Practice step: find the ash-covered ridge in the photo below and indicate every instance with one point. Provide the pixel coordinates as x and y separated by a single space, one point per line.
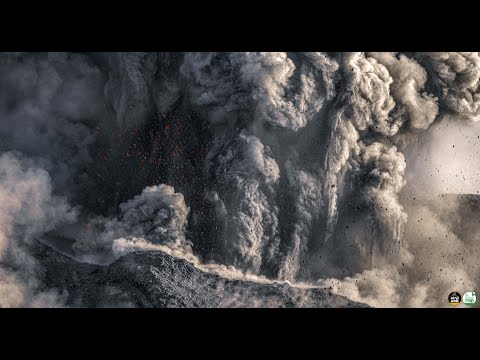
156 279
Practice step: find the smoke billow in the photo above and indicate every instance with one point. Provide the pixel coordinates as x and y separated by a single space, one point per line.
157 216
28 209
455 78
268 166
412 103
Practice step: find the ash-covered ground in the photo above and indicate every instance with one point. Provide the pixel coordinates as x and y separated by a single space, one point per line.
156 279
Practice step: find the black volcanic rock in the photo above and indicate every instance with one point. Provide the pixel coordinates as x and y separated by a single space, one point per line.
156 279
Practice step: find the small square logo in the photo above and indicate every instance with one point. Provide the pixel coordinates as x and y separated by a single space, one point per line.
469 298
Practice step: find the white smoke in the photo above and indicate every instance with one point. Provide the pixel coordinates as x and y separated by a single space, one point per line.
156 216
28 210
269 75
368 92
409 78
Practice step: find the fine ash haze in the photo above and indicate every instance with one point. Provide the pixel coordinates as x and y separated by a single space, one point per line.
312 168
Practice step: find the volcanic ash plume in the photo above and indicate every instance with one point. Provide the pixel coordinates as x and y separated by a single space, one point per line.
455 78
363 117
157 216
28 209
270 166
246 96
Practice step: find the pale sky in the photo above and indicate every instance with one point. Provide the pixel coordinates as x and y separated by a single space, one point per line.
446 160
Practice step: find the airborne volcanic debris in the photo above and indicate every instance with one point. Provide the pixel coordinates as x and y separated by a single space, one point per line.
320 169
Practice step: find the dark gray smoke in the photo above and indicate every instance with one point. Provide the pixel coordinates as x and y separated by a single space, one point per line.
287 166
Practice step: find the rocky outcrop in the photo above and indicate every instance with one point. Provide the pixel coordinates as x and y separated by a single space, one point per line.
156 279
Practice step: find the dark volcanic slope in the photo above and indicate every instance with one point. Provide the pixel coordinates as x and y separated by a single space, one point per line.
156 279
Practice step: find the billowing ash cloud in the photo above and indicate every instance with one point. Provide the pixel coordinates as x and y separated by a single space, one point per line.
247 97
249 177
268 85
157 216
413 104
50 104
364 115
287 166
28 209
308 204
455 80
384 169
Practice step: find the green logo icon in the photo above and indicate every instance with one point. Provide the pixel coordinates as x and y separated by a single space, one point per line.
469 298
